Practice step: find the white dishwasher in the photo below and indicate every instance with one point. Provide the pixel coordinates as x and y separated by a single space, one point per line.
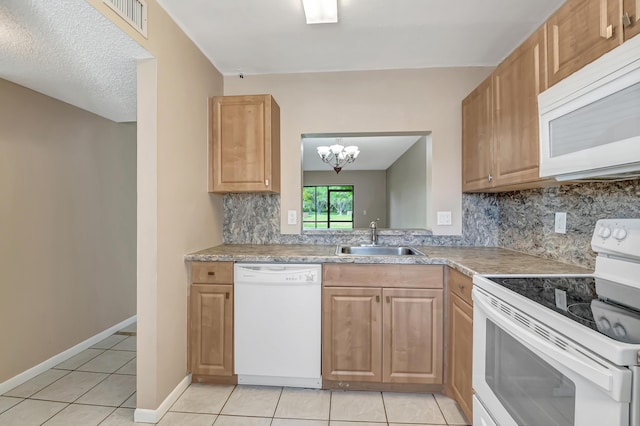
277 324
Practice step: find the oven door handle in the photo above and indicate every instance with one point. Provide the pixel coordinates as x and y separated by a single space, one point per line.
584 366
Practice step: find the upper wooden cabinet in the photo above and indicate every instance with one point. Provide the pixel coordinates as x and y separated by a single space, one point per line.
630 23
244 146
477 138
517 82
580 32
500 148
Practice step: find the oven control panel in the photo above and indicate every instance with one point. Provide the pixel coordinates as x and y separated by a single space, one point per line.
619 324
617 236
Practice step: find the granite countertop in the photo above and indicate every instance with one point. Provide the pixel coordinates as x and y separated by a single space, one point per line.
468 260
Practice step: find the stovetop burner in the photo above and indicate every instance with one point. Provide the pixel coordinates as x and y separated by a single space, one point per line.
576 299
575 304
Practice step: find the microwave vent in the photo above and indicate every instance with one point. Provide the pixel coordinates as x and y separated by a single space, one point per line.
132 11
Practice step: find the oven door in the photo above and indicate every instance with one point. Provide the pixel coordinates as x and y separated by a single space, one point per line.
526 374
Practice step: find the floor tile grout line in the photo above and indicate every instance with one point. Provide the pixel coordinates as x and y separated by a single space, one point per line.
42 388
108 415
89 360
57 412
275 409
226 401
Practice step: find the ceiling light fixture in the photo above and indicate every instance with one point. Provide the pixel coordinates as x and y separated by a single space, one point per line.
321 11
337 156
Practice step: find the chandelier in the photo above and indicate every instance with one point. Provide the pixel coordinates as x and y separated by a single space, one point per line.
337 156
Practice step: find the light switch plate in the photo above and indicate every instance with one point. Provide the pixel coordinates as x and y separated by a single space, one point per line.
444 218
292 217
561 223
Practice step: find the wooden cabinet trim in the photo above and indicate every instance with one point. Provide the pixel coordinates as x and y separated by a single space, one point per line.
382 275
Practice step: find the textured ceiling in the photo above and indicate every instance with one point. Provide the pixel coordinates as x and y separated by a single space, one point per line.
68 50
376 152
263 37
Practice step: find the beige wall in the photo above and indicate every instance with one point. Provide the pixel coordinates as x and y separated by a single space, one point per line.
177 215
406 188
368 192
67 226
418 100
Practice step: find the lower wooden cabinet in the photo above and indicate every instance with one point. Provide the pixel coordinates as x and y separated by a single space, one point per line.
211 322
211 330
352 334
382 334
412 336
460 357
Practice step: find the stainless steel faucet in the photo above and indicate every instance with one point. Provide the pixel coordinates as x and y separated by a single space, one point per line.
374 231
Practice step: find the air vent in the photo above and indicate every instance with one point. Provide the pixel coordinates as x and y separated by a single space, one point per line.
132 11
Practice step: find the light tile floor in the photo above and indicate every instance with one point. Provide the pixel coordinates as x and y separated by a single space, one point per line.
97 387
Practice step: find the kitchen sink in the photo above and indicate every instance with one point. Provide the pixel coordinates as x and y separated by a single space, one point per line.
378 251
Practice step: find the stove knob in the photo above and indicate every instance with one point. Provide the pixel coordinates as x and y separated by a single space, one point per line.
619 234
604 232
619 330
604 324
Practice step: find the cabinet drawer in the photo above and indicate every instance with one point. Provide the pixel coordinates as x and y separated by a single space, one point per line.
460 285
212 272
369 275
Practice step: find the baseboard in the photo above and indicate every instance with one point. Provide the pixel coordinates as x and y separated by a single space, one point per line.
62 356
143 415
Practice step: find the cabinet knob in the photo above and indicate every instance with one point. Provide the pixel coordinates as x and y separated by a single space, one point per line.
461 287
377 298
211 273
266 182
388 299
226 295
490 178
626 20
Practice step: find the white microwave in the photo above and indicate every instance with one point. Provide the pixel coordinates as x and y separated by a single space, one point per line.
590 121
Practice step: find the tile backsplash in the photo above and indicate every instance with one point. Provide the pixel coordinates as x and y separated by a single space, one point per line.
255 219
526 218
521 220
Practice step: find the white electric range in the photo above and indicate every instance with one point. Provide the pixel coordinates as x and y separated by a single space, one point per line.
562 349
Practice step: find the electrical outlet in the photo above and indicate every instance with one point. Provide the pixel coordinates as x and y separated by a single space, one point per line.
561 223
292 217
444 218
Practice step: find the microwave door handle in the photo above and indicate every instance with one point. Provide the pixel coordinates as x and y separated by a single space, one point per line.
590 370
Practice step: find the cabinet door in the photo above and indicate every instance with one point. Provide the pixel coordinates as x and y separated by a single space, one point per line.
517 83
351 334
211 334
477 138
631 9
245 154
412 336
460 352
580 32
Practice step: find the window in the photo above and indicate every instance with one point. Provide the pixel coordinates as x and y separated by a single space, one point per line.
327 207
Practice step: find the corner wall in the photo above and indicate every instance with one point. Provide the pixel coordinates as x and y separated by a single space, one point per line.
406 188
67 226
173 129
